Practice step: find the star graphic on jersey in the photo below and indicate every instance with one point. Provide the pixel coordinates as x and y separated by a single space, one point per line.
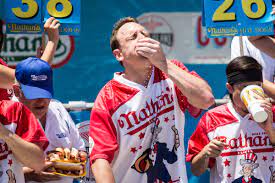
140 147
264 158
10 162
166 120
229 175
226 162
141 135
133 150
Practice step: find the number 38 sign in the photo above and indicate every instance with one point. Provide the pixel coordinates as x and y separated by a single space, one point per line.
238 17
27 16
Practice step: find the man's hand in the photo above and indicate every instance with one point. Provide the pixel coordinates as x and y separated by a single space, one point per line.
213 149
31 175
200 162
151 49
268 124
51 27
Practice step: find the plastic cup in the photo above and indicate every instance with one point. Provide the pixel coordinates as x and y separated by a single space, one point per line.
249 96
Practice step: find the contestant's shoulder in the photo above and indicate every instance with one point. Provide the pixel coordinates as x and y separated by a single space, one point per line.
218 116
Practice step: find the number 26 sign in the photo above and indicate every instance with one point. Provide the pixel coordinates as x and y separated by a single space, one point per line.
27 16
238 17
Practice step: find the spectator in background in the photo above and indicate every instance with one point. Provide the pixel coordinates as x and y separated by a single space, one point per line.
137 121
21 140
255 47
262 48
7 76
227 140
34 88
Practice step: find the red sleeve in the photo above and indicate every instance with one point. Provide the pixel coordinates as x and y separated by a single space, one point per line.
182 100
5 94
30 130
103 136
198 140
2 62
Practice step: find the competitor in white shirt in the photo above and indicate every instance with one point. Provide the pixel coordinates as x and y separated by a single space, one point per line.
137 122
228 141
35 90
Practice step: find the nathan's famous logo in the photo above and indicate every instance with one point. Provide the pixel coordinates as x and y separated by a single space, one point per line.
135 121
159 30
243 141
17 47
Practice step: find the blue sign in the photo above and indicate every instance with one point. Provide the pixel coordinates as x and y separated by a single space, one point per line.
67 12
28 16
23 16
235 18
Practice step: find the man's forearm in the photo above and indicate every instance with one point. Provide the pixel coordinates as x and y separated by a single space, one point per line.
7 77
27 153
49 51
199 164
102 171
197 91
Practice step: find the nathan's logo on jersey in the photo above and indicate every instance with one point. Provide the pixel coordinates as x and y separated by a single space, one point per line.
61 135
17 47
159 30
255 140
135 121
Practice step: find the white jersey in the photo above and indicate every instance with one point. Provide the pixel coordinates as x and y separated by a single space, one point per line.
61 131
249 156
267 62
140 130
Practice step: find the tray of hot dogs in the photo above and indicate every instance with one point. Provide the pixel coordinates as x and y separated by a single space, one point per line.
67 162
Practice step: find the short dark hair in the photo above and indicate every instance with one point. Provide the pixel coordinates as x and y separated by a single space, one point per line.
243 63
113 40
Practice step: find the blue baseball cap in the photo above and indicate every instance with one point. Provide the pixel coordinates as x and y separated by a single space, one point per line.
35 77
